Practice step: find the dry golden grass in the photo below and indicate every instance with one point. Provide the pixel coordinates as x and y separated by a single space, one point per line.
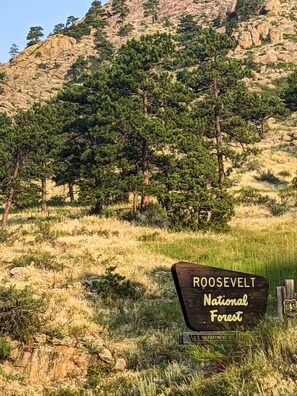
87 245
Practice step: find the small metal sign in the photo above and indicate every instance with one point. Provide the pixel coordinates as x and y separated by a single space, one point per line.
214 299
207 337
290 308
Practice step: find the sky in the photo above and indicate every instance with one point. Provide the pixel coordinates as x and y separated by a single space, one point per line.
17 16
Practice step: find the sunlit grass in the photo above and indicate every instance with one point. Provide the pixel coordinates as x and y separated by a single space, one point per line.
272 254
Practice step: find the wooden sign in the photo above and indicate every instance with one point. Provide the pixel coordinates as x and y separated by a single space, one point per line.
214 299
286 300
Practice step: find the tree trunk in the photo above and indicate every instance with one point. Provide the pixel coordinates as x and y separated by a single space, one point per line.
145 159
10 195
219 140
145 172
71 191
262 131
97 208
135 196
43 194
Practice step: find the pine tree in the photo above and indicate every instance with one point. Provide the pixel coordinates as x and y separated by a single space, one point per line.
13 51
104 48
151 8
290 92
34 35
259 107
217 79
46 120
96 15
59 28
120 8
187 28
17 143
95 148
141 87
71 21
78 68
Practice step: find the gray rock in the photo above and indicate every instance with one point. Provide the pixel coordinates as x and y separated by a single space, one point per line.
16 270
106 356
120 364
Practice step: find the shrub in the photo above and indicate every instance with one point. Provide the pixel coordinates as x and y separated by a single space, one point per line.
5 236
275 208
248 197
39 259
97 371
151 216
284 173
26 197
44 231
269 177
101 233
253 166
113 285
5 349
20 313
125 30
57 200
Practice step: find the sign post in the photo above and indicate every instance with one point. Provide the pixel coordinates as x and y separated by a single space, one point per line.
216 301
286 301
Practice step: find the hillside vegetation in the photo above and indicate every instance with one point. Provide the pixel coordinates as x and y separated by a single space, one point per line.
147 133
134 314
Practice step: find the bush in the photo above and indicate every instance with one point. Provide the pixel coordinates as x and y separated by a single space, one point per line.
44 231
205 211
20 313
113 285
27 197
154 236
5 236
284 173
269 177
57 200
39 259
275 208
248 197
151 216
5 349
125 30
97 371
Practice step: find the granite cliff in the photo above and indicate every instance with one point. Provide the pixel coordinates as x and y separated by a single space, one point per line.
269 37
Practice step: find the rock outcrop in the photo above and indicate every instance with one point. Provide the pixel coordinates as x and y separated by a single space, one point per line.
40 71
48 364
272 7
55 361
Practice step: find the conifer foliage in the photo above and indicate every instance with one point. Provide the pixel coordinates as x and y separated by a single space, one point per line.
164 120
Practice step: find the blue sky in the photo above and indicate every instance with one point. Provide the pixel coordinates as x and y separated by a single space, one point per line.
17 16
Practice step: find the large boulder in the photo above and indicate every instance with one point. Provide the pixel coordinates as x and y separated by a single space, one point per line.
245 40
47 364
55 46
272 7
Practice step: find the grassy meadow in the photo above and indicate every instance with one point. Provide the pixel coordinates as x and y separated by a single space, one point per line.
61 256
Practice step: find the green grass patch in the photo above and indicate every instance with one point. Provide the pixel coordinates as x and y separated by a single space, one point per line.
270 254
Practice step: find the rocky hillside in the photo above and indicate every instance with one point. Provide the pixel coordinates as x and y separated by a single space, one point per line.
41 69
269 38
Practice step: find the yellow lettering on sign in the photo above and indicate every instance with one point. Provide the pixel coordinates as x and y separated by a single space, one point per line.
225 302
227 282
215 316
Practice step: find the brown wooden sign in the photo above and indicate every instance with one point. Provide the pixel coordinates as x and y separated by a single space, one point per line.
214 299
